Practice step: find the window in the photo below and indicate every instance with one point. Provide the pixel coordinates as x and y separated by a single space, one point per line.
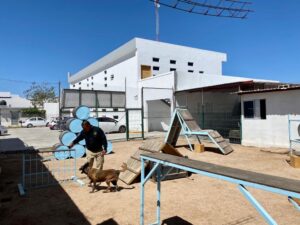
112 77
103 110
79 88
263 111
191 71
32 119
249 109
115 109
172 69
92 88
92 83
105 85
105 72
145 71
156 68
87 85
255 109
79 83
116 117
92 78
201 71
73 85
190 63
155 59
3 102
87 79
40 118
172 61
105 78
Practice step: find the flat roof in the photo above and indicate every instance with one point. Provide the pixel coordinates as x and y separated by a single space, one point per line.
279 88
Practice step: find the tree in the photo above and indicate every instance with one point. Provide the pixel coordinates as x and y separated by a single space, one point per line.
38 94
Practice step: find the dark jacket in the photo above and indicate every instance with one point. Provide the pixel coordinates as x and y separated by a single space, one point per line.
95 139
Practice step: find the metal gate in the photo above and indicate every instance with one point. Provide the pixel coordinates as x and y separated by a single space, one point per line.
42 169
134 123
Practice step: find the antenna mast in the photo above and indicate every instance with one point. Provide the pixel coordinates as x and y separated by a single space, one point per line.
156 5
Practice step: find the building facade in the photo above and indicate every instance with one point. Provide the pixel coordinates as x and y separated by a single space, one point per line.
10 108
161 76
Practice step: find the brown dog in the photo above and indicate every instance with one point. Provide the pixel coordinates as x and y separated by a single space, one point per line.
96 175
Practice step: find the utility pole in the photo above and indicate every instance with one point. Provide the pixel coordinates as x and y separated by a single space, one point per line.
59 104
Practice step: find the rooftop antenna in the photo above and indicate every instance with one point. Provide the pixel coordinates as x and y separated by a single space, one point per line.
238 9
156 5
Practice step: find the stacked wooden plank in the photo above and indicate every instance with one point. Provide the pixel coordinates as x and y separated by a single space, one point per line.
134 163
223 144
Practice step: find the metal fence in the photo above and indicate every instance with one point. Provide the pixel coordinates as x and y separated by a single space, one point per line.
294 132
134 123
43 169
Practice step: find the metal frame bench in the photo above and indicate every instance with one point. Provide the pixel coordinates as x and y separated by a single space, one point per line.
243 178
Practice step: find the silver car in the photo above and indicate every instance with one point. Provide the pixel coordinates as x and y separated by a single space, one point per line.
3 130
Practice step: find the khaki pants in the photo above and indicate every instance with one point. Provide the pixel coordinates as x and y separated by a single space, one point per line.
92 156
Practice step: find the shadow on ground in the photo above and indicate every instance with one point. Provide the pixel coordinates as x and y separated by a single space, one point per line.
42 206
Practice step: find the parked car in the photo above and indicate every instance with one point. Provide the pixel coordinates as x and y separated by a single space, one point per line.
109 125
34 122
59 124
3 130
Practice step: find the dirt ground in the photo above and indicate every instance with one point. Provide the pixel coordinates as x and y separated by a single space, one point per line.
195 200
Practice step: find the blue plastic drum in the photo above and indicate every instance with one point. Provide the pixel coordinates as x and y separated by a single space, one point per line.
60 154
74 125
109 147
93 121
79 151
67 137
81 112
82 142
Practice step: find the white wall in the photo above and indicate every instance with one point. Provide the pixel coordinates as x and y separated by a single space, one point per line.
273 131
158 116
209 62
15 101
157 88
52 110
126 69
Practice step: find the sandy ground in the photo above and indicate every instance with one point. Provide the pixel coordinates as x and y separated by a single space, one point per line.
194 200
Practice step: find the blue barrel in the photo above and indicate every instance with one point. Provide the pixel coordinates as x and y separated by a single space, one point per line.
81 112
67 137
79 151
109 147
61 155
93 121
82 142
74 125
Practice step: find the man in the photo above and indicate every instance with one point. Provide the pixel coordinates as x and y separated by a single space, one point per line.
96 144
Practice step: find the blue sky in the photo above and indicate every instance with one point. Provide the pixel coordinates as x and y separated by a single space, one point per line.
43 40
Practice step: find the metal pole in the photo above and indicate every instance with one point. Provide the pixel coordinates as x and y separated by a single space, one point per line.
158 172
142 194
142 98
256 205
59 101
127 123
289 127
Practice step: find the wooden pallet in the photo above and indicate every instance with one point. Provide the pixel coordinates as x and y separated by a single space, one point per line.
223 145
134 163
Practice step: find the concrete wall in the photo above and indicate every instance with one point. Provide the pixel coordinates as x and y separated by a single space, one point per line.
113 79
209 62
157 88
52 110
15 101
158 116
273 131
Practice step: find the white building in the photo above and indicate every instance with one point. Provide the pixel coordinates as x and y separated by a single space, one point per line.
265 116
10 108
160 76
